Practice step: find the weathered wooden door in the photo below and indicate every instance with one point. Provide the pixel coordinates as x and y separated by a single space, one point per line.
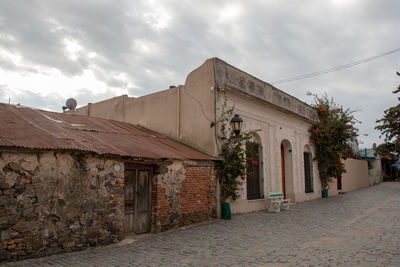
137 198
129 200
283 171
142 221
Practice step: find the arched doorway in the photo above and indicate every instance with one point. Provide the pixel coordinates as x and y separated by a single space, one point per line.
283 170
286 167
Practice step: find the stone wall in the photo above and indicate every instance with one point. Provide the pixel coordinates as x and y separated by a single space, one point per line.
53 202
183 194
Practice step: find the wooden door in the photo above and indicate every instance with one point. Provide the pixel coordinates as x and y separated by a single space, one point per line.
129 200
283 171
142 221
339 183
137 198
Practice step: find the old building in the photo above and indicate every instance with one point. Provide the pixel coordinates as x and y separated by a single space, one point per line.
374 165
68 182
189 112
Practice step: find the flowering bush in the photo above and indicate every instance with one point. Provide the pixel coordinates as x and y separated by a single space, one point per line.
334 128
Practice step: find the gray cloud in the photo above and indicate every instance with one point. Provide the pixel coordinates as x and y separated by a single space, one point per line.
269 39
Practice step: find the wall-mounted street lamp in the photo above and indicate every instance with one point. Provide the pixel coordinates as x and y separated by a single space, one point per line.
236 123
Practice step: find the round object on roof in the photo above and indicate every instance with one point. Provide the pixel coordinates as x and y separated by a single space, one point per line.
71 103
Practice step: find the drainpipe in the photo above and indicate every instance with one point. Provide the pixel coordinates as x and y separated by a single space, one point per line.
88 109
178 108
215 89
218 186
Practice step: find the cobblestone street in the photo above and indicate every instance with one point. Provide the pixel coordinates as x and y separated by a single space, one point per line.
360 228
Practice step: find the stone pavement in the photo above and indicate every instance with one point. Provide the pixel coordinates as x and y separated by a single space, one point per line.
360 228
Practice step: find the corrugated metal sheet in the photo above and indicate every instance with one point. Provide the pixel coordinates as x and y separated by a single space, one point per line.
38 129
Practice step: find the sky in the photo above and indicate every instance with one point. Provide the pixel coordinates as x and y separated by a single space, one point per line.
51 50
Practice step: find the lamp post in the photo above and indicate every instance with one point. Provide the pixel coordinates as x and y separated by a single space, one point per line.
236 124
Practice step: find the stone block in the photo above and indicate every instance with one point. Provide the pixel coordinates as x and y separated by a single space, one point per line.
5 234
14 234
75 226
14 217
93 205
20 246
73 213
3 255
9 192
15 166
4 185
4 201
11 157
36 243
21 253
93 233
53 250
20 187
29 162
21 226
68 244
27 212
47 163
66 162
2 162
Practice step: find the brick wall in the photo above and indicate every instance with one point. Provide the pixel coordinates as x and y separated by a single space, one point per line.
183 194
198 195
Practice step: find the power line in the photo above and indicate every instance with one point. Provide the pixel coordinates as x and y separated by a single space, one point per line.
337 68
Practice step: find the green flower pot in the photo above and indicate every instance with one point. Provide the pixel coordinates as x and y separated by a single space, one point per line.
325 193
226 213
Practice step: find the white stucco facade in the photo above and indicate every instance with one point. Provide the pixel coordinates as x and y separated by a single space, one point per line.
276 128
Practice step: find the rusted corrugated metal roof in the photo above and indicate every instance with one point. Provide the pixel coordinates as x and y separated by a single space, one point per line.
38 129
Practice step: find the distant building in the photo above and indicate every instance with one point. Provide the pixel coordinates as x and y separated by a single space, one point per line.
375 165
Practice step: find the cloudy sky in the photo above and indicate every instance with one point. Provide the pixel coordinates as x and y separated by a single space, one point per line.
51 50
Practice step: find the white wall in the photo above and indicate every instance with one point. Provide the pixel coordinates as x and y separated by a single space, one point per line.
375 173
276 126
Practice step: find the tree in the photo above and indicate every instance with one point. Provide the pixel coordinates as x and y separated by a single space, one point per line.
330 135
389 126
